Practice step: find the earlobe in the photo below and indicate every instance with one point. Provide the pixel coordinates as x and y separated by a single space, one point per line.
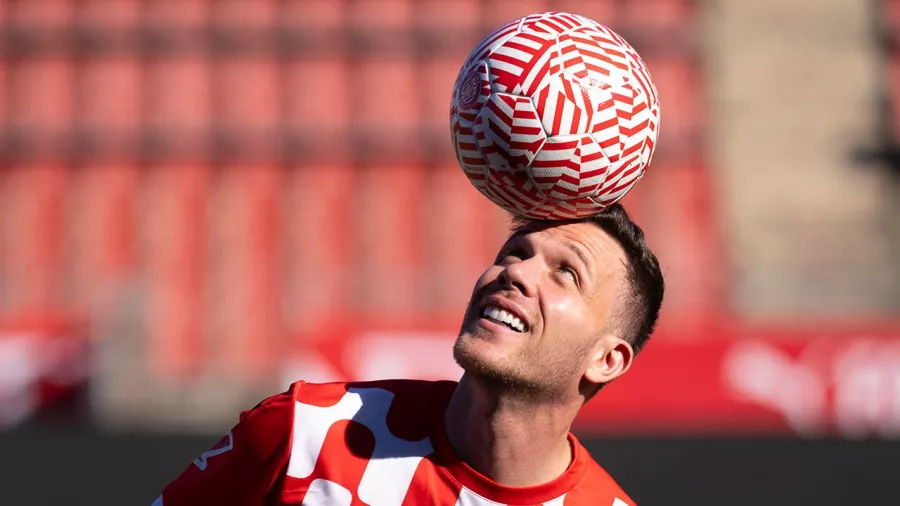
612 359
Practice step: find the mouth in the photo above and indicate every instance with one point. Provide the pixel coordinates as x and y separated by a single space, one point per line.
504 317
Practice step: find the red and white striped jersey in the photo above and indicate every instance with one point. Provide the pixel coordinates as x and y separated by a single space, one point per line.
367 443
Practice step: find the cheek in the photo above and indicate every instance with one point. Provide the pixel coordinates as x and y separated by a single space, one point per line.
566 311
561 306
487 277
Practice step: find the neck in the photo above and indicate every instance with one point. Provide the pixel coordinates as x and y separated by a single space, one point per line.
513 440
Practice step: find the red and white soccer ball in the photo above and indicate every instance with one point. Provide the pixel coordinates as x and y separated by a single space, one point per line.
554 116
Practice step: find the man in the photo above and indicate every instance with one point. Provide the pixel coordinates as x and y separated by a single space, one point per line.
561 312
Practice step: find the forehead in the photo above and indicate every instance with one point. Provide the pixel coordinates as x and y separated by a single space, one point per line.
599 248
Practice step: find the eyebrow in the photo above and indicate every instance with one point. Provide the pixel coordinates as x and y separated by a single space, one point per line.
579 252
571 246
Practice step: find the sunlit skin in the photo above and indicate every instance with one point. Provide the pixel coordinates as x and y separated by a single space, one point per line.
510 415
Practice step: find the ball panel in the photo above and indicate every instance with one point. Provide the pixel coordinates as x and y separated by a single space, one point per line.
622 123
466 101
620 180
565 107
647 151
583 53
627 66
609 198
601 52
569 168
513 190
548 24
470 158
605 127
522 63
642 75
488 45
568 210
509 132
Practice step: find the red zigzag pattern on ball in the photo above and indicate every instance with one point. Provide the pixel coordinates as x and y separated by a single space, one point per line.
470 160
487 46
570 168
515 124
525 60
587 82
508 188
523 63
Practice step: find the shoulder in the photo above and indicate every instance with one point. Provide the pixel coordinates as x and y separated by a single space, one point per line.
261 430
597 475
304 391
400 402
243 465
272 422
387 392
597 486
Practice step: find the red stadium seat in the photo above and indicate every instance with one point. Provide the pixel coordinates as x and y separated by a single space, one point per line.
332 195
318 235
175 223
389 227
245 259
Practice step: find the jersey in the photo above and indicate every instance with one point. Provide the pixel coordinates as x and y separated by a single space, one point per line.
377 443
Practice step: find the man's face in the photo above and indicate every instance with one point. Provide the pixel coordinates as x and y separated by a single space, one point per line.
536 315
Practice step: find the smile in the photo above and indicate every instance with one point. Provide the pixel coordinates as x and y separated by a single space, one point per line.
501 316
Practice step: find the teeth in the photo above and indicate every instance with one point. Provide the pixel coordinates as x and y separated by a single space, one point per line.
500 315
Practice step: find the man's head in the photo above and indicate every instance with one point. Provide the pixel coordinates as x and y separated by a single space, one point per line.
564 308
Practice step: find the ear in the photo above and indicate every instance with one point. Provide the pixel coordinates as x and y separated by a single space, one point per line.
611 358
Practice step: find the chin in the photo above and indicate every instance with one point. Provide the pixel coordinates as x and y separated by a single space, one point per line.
495 369
479 356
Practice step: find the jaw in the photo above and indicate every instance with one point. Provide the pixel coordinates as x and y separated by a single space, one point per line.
481 349
500 362
515 370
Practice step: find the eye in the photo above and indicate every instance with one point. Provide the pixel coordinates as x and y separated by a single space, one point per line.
565 270
510 253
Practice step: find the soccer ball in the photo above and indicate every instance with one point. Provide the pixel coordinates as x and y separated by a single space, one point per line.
554 116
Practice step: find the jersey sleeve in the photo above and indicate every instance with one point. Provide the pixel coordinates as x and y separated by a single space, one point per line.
243 466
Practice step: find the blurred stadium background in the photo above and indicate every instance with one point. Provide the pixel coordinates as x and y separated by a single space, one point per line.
204 200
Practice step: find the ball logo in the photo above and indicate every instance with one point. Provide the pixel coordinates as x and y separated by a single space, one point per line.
469 90
592 82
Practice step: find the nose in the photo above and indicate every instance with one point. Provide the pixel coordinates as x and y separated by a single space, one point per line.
519 276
